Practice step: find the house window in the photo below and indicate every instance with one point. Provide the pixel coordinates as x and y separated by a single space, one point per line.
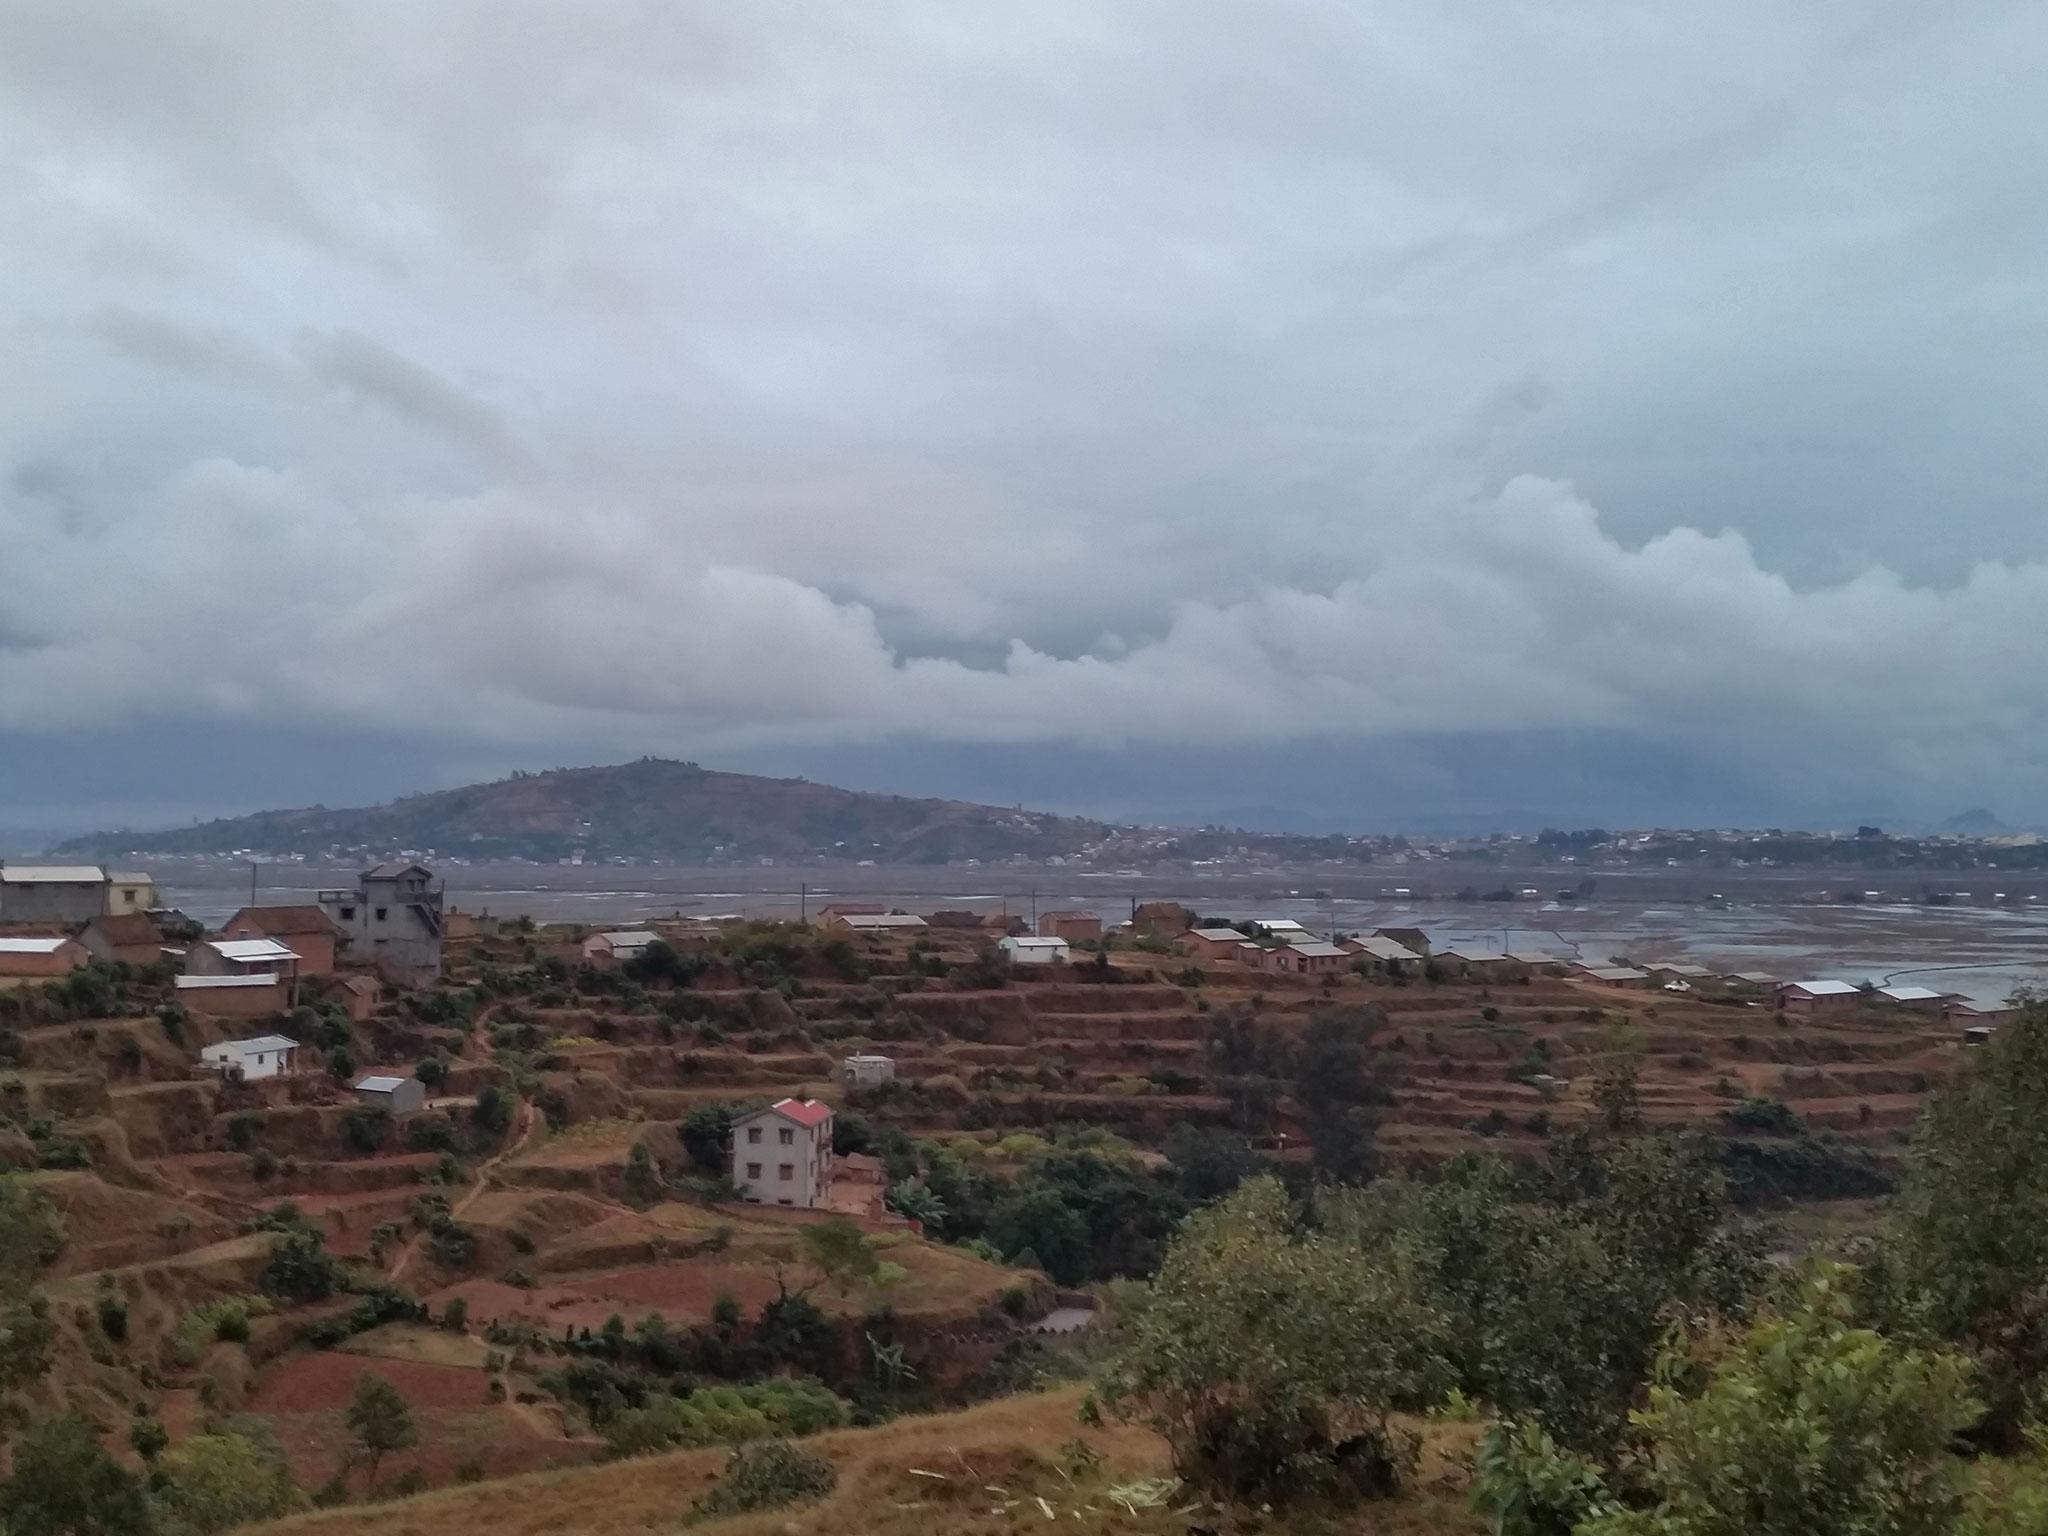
382 913
787 1138
753 1170
754 1136
786 1172
348 914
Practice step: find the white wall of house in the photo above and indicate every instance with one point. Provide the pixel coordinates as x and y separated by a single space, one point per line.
775 1161
255 1065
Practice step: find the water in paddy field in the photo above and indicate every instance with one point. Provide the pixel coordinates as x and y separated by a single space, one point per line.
1776 924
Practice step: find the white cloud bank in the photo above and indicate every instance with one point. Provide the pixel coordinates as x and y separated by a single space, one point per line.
636 377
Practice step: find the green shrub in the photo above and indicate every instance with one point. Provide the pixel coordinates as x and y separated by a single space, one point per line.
766 1476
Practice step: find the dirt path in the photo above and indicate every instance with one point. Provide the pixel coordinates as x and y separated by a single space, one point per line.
480 1183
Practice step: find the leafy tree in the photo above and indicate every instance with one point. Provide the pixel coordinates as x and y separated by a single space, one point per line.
31 1237
842 1253
365 1129
1208 1162
1617 1093
1035 1220
380 1421
643 1180
213 1481
63 1484
920 1202
1806 1424
765 1476
1965 1254
1340 1088
432 1072
1271 1361
705 1132
300 1268
147 1437
493 1111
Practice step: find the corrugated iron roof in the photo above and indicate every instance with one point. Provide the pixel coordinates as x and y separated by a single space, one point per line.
245 951
52 874
32 946
379 1084
209 983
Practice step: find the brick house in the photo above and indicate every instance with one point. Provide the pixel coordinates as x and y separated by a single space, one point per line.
782 1155
130 938
1812 998
233 997
307 932
1211 943
45 956
1074 927
1308 957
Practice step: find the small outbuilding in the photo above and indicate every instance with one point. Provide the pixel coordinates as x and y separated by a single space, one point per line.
1627 976
254 1059
1307 957
401 1096
1029 949
618 946
1074 927
866 1071
241 957
1813 998
41 956
131 938
1211 943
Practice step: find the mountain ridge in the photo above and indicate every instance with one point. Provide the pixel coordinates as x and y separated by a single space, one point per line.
649 808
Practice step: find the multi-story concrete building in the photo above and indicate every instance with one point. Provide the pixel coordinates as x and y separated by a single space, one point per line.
392 920
782 1155
52 893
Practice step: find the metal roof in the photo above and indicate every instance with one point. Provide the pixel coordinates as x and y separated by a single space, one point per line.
379 1084
1032 941
1616 973
246 950
259 1043
629 938
1218 935
1911 994
1822 988
208 983
32 946
52 874
1469 956
806 1112
1316 947
1678 969
1384 949
881 920
1279 925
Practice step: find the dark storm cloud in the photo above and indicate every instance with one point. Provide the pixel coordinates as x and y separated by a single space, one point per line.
630 377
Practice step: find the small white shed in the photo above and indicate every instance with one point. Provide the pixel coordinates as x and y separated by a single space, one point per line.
864 1071
253 1059
1030 950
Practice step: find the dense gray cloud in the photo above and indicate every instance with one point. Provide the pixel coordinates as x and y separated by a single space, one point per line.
632 377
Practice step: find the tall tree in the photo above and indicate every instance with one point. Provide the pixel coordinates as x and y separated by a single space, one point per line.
380 1421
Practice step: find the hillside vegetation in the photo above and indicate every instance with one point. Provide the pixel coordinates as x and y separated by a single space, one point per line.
653 808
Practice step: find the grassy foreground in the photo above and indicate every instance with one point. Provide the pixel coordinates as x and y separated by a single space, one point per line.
1009 1465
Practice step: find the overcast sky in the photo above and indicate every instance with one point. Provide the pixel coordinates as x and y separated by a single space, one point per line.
1359 411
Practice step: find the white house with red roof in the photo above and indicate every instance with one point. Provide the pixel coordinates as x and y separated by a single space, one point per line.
782 1155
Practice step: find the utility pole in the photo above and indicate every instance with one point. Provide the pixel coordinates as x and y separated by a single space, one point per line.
803 903
252 882
1034 910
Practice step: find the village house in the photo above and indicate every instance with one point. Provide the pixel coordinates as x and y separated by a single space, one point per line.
52 893
358 992
605 950
1814 998
1211 943
1161 919
391 920
1074 927
254 1059
1408 938
1307 957
782 1155
1915 999
1480 964
396 1096
880 922
827 915
233 997
1540 962
308 932
1031 950
1386 954
1961 1010
864 1071
1285 929
41 956
1624 976
241 957
1749 983
954 917
132 938
1666 972
130 893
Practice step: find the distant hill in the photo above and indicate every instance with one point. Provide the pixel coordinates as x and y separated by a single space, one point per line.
653 808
